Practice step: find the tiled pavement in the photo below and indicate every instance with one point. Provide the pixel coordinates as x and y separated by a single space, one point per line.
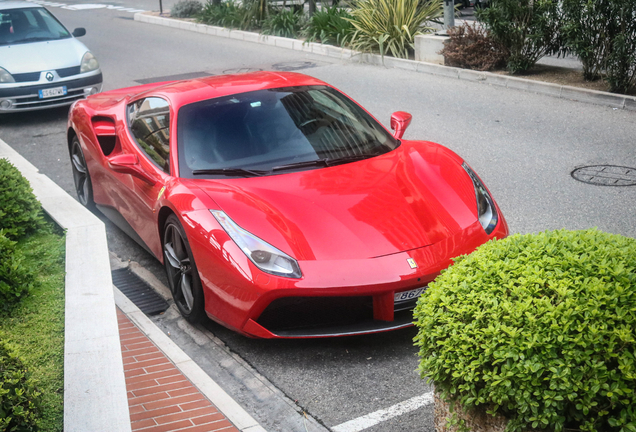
160 397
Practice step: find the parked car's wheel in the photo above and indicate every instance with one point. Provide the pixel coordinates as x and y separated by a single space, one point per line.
81 177
181 270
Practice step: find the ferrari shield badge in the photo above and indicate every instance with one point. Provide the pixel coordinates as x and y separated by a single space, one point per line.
411 262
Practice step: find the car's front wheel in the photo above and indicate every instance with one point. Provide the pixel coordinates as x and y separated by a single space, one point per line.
81 177
181 270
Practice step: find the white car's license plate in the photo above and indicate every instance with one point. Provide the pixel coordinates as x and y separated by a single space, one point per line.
408 295
52 92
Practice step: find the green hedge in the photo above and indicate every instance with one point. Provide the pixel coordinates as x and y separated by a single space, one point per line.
540 328
19 398
20 211
16 280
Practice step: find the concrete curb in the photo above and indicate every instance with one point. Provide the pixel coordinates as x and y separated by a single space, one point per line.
94 384
232 410
548 89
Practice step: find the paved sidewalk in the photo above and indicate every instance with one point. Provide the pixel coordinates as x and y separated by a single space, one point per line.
160 397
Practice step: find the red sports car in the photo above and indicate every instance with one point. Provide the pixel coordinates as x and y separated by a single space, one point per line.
279 207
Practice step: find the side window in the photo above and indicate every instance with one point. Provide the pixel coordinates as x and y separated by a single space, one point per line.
149 122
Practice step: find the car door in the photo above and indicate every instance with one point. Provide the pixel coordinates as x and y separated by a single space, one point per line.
143 167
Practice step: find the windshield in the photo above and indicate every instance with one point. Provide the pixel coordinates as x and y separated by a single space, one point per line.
274 131
18 26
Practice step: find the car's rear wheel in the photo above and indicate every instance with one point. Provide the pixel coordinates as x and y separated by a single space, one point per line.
81 177
181 270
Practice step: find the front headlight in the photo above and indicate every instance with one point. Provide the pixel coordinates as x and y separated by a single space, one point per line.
485 205
5 77
89 63
264 256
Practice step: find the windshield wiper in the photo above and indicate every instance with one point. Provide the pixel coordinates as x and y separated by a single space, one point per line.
230 172
325 162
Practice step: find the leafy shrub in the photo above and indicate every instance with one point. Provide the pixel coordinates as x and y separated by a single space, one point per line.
255 12
540 328
15 279
529 29
330 25
20 211
19 398
471 47
186 8
585 33
226 14
621 61
390 26
284 23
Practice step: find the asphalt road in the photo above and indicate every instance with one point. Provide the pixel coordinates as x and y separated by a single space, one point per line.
523 145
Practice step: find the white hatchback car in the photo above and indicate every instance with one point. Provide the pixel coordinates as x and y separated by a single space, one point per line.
42 65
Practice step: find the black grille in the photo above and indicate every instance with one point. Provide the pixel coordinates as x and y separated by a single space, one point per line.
138 292
69 71
27 77
291 313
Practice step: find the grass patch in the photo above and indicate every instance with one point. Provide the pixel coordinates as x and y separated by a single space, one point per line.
35 326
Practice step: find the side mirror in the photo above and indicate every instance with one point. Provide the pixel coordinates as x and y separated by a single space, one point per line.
129 164
400 120
79 32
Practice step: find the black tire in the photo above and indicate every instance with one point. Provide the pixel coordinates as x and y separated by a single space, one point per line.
81 176
183 277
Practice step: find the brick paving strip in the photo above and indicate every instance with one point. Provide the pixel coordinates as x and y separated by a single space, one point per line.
160 397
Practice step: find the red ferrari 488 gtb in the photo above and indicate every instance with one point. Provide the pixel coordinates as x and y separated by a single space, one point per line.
279 207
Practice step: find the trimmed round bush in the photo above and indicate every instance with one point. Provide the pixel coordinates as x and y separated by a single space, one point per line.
19 398
20 211
540 328
16 280
186 9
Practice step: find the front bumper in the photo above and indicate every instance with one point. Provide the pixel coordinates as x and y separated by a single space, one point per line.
334 298
19 97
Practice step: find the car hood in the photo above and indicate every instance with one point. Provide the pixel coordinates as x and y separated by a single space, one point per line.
42 56
412 197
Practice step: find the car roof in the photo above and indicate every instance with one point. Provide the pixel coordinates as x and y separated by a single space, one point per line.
185 92
6 5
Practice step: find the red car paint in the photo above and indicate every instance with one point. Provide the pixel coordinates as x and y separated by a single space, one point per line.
350 227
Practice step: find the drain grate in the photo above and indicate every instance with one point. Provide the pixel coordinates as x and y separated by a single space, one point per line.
184 76
139 292
293 65
241 70
605 175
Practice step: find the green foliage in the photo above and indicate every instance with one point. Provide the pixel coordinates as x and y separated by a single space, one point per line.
16 279
186 8
20 211
284 23
226 14
19 398
255 12
529 29
585 33
540 328
34 327
621 61
390 26
471 47
330 25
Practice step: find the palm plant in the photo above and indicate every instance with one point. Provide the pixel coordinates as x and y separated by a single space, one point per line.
390 26
285 23
330 25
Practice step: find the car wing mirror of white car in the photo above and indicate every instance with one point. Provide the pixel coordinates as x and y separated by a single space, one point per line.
79 32
400 120
129 164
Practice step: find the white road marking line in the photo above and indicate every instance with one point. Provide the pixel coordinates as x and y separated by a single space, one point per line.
364 422
86 6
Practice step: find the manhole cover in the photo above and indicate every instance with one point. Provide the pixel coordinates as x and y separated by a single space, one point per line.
292 66
241 70
606 175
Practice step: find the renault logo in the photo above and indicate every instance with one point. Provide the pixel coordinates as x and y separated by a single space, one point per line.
49 76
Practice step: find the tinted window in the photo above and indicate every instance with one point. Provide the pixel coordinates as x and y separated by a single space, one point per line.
149 122
268 128
26 25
